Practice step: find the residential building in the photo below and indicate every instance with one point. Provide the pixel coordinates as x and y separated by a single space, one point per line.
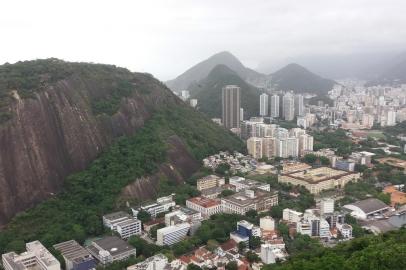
231 106
326 206
275 106
205 206
345 230
172 234
319 179
110 249
36 257
193 102
254 146
209 181
299 105
76 257
156 262
305 144
267 223
287 147
288 107
111 220
291 215
263 104
242 202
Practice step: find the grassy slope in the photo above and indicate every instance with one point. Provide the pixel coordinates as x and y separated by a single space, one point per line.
76 213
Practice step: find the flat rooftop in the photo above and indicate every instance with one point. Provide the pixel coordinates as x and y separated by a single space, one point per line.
72 251
393 161
112 244
318 174
116 215
204 202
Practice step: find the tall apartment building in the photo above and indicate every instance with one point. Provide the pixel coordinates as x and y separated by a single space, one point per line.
288 147
172 234
36 257
299 105
263 104
288 107
254 146
231 106
275 106
305 144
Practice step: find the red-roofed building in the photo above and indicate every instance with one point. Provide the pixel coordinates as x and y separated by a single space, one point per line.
205 206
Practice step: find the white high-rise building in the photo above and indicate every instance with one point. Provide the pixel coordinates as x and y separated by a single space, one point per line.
263 104
391 118
242 114
288 106
287 147
305 143
326 206
275 106
299 105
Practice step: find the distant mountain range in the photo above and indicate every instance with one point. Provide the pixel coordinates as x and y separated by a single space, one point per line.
202 70
208 92
206 79
300 80
392 75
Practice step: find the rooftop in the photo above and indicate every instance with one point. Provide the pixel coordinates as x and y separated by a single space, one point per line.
370 205
204 202
116 215
72 251
318 174
112 244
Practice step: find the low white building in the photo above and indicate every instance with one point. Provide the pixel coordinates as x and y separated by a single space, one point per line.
123 224
172 234
345 230
291 215
36 257
267 223
156 262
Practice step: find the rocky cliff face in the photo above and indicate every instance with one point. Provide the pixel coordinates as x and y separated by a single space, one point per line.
56 132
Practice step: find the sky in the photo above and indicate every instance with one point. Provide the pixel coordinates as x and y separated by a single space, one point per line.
165 38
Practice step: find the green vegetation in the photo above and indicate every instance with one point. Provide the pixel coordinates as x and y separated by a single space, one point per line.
312 159
336 139
76 212
30 77
382 252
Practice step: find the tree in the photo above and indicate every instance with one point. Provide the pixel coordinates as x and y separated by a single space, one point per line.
192 266
255 242
144 216
242 246
232 265
276 211
252 257
283 229
324 161
384 197
212 244
227 192
310 158
251 213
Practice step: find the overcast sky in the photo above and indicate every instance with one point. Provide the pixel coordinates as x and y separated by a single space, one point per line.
167 37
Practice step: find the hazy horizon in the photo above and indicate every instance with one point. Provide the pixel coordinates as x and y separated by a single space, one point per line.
166 38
